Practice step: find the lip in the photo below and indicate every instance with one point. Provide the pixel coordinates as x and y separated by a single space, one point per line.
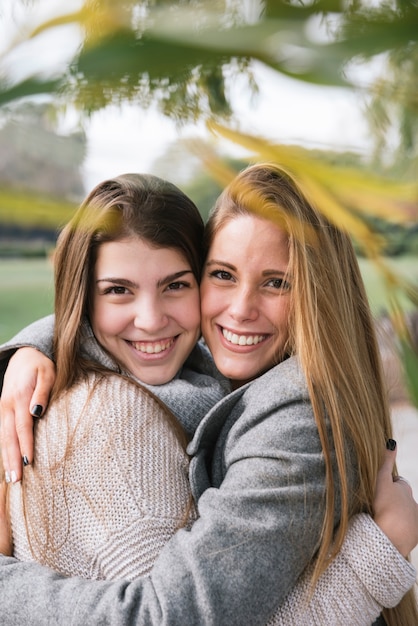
234 340
157 349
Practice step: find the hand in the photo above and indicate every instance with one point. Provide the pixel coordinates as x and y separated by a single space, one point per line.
27 384
395 510
6 545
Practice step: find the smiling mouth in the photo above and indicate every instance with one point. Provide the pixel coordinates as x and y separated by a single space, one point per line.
153 347
242 340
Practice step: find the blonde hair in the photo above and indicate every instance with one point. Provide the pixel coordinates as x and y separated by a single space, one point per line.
332 331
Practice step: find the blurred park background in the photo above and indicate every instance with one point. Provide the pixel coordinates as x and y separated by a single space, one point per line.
193 90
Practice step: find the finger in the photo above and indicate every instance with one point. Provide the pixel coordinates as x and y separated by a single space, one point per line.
24 435
6 546
12 460
23 424
389 460
4 454
25 414
384 480
2 498
44 382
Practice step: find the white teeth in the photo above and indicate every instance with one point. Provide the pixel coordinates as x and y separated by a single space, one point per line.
242 340
152 348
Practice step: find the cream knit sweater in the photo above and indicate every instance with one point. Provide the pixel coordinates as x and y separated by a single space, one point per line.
110 503
105 507
366 576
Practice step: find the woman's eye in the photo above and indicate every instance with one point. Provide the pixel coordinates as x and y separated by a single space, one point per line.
177 285
221 274
279 283
116 290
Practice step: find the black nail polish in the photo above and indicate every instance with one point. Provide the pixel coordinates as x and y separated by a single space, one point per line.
36 410
391 444
25 460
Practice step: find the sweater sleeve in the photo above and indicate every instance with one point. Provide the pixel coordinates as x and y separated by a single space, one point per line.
37 335
367 575
367 551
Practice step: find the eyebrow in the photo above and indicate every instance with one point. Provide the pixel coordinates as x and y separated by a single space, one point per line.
224 263
129 283
173 277
267 272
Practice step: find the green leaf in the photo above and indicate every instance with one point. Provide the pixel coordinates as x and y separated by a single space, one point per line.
29 87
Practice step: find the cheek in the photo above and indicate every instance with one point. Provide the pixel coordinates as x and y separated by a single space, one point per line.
187 312
104 320
282 323
208 303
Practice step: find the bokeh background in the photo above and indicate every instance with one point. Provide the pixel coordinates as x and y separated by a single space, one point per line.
193 90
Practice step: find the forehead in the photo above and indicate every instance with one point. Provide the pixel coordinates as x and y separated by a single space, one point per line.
249 237
136 250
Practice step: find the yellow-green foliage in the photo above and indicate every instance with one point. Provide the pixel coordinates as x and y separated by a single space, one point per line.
26 209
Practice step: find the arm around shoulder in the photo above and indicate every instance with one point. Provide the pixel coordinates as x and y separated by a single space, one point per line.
37 335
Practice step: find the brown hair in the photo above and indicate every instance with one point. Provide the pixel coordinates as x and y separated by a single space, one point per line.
332 331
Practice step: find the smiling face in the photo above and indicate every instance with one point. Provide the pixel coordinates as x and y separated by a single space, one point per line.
245 298
145 308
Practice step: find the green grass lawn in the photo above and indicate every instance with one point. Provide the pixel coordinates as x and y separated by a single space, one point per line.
26 290
26 293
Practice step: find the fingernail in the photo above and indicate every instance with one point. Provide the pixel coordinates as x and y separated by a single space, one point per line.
25 460
36 410
13 476
391 444
7 476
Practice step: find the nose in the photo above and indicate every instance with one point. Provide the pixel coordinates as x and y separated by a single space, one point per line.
244 306
150 315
